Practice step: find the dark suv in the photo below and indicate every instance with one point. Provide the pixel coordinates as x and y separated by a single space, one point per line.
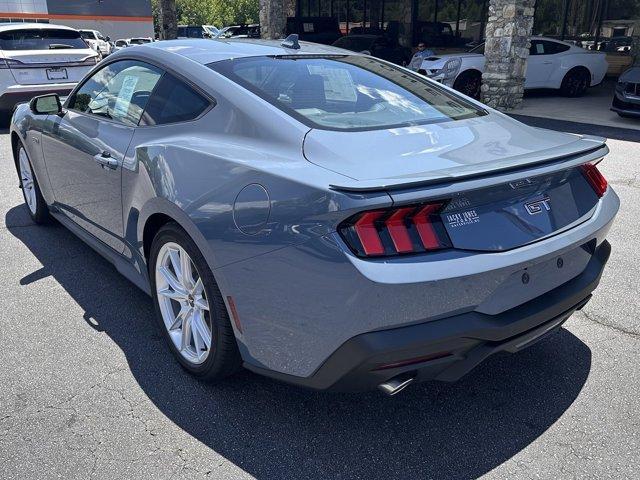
379 46
315 29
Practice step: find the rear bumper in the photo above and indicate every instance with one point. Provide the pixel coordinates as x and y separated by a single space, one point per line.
448 348
23 93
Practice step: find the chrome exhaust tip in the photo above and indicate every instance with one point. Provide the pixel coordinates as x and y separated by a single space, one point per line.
397 384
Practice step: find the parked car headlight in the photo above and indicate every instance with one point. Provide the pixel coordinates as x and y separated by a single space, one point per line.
450 70
448 73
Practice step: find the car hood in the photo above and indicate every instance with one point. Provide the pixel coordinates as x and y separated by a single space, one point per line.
631 75
438 152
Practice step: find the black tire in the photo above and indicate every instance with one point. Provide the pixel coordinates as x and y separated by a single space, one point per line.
224 358
469 83
39 213
575 83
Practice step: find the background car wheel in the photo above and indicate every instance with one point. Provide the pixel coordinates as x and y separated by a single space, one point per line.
469 83
189 307
36 205
575 83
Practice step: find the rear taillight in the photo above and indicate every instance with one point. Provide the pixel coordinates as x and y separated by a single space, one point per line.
6 63
92 60
396 231
595 178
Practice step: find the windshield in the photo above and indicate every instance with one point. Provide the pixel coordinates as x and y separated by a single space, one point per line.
87 34
355 44
235 31
190 32
478 49
139 41
348 92
40 39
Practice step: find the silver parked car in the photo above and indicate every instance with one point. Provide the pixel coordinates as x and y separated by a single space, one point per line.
626 98
322 217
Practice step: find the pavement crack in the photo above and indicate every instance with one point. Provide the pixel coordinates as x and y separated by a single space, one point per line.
594 319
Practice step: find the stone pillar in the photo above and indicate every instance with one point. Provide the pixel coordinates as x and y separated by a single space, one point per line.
273 17
506 51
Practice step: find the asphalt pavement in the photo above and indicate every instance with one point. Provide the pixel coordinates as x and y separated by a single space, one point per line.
89 390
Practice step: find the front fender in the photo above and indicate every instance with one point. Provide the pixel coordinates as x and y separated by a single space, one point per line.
27 128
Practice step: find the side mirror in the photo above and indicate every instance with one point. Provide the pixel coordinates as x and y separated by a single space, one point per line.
46 104
108 38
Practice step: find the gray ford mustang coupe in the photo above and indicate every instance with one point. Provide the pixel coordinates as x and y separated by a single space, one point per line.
322 217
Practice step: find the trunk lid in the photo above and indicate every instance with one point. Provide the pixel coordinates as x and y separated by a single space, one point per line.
473 167
517 213
39 67
438 152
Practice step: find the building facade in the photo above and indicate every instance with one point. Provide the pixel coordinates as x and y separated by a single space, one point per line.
586 22
447 26
115 18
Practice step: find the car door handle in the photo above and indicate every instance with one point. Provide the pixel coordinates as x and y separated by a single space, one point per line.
548 63
105 160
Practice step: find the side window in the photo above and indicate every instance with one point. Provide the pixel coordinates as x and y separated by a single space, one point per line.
537 48
551 48
120 91
173 101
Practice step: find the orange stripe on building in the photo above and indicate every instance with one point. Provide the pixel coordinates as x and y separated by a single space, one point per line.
53 16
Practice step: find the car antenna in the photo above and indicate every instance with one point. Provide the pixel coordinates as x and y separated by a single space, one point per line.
291 42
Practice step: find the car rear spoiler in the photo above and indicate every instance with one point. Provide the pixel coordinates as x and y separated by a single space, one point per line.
592 149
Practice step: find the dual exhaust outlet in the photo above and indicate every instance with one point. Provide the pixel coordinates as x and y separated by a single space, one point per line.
397 384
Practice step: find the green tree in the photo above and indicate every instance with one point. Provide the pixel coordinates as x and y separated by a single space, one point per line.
211 12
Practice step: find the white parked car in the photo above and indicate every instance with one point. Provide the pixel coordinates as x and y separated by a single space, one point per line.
551 64
129 42
97 41
120 44
139 40
38 58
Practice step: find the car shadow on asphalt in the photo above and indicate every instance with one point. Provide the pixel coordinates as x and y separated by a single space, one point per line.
272 430
616 133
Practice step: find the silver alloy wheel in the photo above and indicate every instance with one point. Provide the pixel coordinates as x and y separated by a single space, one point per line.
183 303
26 179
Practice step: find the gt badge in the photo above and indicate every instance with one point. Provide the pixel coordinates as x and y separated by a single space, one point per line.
538 206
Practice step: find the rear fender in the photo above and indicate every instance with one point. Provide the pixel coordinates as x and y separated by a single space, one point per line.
214 199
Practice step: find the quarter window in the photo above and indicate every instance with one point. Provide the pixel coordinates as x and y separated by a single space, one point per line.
173 101
120 91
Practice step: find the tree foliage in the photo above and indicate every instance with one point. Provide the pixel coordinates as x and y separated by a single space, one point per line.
213 12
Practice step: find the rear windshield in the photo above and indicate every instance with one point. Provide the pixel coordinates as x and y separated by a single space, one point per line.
40 39
139 41
350 92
